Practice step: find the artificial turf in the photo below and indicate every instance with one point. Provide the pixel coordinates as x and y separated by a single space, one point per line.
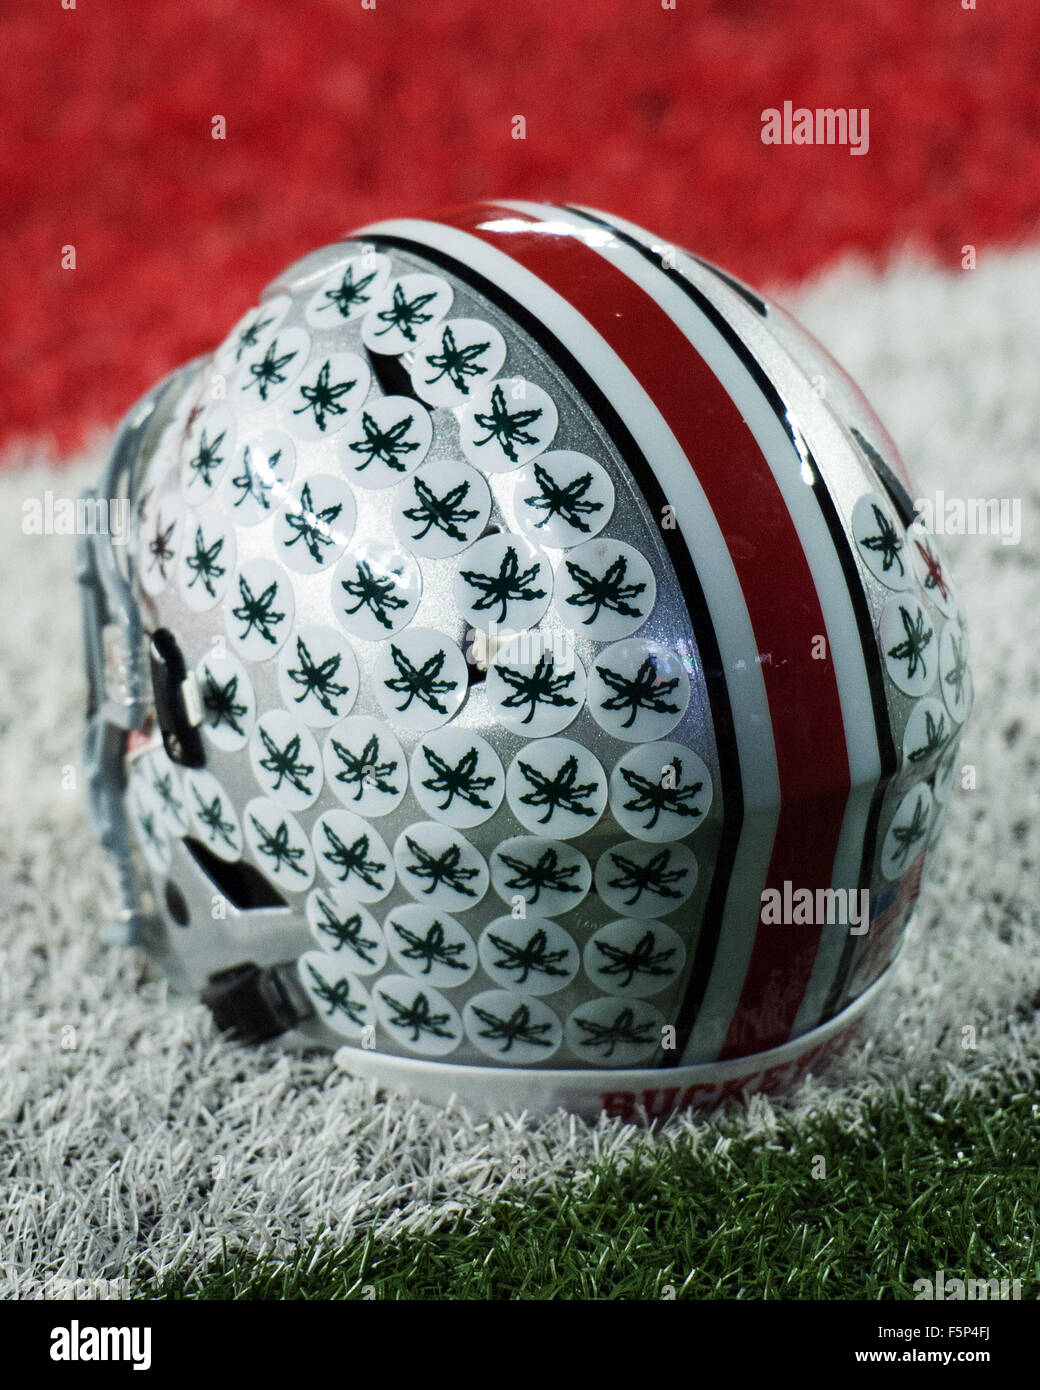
915 1184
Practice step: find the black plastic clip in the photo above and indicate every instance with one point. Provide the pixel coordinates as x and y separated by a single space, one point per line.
178 724
254 1004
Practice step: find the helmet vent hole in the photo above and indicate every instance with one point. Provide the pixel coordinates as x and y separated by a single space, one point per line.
243 885
391 374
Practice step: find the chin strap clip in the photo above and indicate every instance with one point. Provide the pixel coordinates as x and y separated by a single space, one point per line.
253 1004
178 710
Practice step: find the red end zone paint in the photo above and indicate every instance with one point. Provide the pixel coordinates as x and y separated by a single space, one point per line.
774 575
347 115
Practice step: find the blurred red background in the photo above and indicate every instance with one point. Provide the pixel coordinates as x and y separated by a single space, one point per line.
336 114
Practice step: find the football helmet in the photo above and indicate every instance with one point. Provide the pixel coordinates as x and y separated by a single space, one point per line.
526 671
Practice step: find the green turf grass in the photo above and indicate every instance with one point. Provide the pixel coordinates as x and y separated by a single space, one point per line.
907 1191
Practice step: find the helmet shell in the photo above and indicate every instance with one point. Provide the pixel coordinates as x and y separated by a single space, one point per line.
579 690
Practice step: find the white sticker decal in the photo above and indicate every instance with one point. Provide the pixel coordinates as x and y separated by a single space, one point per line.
938 821
556 788
349 290
548 875
407 309
430 945
941 783
506 424
285 760
186 411
881 542
417 1016
147 822
259 611
615 1032
513 1029
440 867
634 958
943 780
318 675
365 766
604 589
457 777
954 676
531 955
315 524
168 792
455 360
375 590
270 368
930 569
207 560
909 643
385 441
562 499
638 690
660 791
279 845
504 584
907 834
213 814
258 481
340 1000
536 684
162 537
353 856
252 332
207 453
345 928
165 459
927 733
642 879
228 701
441 509
328 393
420 679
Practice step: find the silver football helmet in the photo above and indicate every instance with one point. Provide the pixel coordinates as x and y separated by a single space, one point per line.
526 674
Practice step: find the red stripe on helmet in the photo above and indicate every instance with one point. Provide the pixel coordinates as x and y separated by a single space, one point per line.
767 555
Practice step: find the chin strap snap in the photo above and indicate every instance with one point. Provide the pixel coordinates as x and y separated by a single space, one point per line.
253 1004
